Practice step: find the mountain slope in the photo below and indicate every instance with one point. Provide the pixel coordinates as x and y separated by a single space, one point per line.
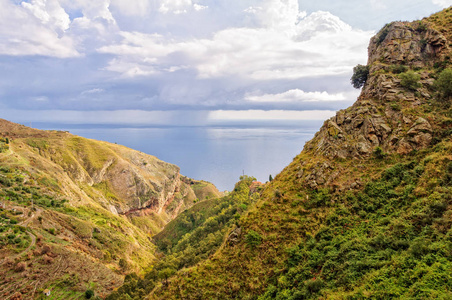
77 213
192 237
364 210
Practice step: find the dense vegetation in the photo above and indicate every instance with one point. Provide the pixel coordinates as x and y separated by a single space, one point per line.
19 187
12 236
192 237
390 240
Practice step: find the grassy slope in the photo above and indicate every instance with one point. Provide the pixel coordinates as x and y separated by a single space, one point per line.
388 237
75 236
66 179
192 237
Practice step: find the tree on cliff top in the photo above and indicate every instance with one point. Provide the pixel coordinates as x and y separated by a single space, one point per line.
360 74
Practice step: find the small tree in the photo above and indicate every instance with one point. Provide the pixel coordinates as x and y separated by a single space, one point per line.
410 80
123 264
166 273
253 238
89 294
359 77
270 178
444 83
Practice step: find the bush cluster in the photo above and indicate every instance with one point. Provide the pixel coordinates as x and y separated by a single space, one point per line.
444 84
410 80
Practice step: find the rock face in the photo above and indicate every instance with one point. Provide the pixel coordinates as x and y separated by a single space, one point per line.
384 118
414 44
234 236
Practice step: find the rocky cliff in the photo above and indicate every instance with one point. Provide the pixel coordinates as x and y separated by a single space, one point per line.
388 116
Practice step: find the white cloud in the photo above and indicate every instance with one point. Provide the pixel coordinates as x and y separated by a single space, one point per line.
41 99
198 7
93 10
179 54
135 7
280 14
50 13
318 45
295 95
31 31
92 91
321 22
175 6
442 3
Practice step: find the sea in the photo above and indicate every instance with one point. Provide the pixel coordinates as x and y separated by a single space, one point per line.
218 154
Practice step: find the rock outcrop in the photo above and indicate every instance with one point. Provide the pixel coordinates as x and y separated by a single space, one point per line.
384 117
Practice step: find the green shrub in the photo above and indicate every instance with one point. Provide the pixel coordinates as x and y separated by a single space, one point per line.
444 83
123 264
359 77
314 285
253 239
379 153
421 27
5 181
395 106
89 294
319 198
410 80
397 69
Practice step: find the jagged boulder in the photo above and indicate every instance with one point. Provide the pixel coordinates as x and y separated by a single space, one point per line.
234 236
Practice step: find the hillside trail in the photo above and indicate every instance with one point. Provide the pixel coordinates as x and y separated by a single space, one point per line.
31 235
10 153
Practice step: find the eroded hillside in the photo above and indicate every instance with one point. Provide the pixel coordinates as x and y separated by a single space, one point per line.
77 213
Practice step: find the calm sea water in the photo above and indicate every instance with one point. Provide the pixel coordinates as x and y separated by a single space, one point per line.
216 154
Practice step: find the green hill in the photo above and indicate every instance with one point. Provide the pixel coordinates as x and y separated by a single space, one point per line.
364 211
194 236
78 214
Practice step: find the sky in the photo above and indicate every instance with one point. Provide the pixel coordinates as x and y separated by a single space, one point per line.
186 62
